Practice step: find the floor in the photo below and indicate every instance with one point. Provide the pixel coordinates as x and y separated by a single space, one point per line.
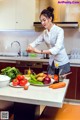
69 101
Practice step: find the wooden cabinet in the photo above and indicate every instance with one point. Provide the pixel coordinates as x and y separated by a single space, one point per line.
71 92
17 14
7 14
25 14
6 64
74 85
23 66
78 84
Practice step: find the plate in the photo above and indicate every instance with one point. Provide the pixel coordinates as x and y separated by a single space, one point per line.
18 86
52 81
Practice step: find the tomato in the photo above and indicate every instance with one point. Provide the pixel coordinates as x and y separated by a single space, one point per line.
20 77
23 82
15 82
55 77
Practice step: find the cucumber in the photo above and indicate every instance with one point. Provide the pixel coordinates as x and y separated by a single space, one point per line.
34 81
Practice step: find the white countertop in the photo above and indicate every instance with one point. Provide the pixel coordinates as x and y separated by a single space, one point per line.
75 61
35 95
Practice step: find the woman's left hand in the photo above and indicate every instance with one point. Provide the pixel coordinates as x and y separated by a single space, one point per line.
35 50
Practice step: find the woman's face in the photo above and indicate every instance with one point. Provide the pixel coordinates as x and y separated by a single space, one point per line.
45 21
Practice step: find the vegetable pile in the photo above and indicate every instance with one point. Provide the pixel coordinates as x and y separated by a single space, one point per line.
19 80
12 72
34 81
40 79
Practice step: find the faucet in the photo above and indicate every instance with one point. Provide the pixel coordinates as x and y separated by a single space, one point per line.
19 52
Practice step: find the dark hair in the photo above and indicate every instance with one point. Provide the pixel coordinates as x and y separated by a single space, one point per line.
48 12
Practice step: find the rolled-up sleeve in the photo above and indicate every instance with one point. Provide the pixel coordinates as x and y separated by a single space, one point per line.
38 41
59 43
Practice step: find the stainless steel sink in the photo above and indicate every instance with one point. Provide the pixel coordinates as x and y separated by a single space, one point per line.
9 55
6 54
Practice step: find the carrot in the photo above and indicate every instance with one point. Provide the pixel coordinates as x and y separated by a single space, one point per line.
57 85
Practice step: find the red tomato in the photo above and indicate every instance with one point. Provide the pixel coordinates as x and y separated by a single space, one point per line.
23 82
15 82
55 77
20 77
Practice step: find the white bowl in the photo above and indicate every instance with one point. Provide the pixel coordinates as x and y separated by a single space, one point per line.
4 80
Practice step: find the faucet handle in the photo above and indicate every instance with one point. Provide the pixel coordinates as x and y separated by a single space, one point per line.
19 53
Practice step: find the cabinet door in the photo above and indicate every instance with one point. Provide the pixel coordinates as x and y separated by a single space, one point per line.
7 14
4 65
71 92
78 84
17 14
25 14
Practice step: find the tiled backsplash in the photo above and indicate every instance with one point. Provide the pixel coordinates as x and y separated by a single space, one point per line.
72 39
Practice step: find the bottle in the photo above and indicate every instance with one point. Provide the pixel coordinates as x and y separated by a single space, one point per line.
56 73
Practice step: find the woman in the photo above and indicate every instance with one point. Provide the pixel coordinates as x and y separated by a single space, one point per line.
53 36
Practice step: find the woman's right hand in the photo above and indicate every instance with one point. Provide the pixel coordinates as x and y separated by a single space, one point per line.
29 49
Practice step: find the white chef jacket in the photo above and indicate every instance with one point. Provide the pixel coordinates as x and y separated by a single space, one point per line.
54 39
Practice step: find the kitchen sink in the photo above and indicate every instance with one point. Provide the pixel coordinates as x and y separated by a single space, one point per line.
6 54
9 55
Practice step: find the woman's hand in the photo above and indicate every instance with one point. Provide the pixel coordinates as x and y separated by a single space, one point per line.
35 50
29 49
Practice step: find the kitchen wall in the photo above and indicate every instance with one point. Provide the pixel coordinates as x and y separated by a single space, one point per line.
22 36
72 39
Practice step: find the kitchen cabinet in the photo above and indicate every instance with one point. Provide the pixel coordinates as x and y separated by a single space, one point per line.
23 66
17 14
71 92
7 14
78 84
25 14
7 64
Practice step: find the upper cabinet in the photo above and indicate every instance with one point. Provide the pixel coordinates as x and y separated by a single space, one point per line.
7 14
17 14
25 14
64 11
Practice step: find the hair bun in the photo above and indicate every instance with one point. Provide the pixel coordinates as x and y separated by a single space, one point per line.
50 9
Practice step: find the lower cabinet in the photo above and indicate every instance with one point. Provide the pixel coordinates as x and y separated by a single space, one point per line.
78 84
23 66
71 92
7 64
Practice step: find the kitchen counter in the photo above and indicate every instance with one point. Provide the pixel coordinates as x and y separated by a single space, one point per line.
22 58
27 103
73 62
35 95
